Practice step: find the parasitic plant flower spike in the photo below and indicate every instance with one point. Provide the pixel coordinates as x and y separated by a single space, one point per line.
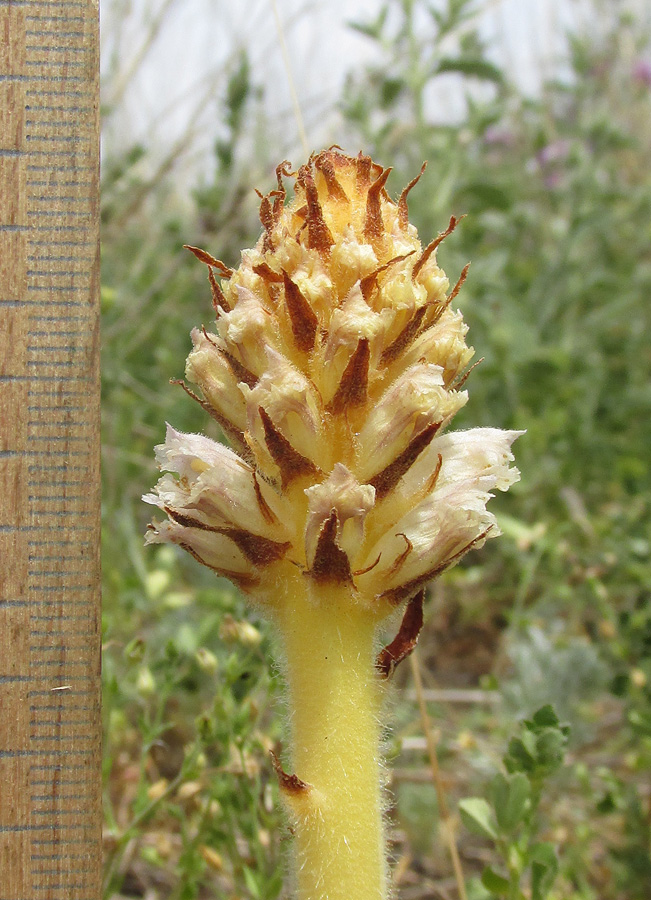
334 367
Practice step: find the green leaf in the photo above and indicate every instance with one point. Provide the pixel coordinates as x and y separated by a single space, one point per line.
550 749
521 756
640 721
495 883
476 890
274 885
371 29
238 90
390 90
510 797
540 748
544 869
607 804
453 14
471 66
482 195
477 816
545 717
251 883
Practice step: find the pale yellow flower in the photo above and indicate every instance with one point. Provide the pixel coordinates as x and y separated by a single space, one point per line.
334 368
333 371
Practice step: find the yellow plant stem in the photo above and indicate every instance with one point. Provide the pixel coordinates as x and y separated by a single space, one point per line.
335 696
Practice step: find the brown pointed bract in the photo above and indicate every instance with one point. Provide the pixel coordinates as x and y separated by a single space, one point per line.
388 478
301 315
290 462
219 302
404 339
405 641
268 221
323 162
319 236
210 260
267 513
373 224
289 784
258 550
363 165
427 252
458 285
353 386
240 371
267 273
331 563
403 210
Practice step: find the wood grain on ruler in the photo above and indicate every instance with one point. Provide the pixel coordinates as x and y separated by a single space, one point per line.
50 815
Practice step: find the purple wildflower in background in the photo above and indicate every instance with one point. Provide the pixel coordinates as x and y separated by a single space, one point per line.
556 151
642 72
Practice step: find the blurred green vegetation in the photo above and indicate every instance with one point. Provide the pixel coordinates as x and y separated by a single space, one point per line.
557 192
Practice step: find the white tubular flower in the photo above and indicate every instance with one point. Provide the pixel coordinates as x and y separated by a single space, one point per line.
444 345
416 399
218 498
208 366
336 367
210 548
351 261
249 328
434 281
398 290
454 476
479 457
352 322
191 454
291 402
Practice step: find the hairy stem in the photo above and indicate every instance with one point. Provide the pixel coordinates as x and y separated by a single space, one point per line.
334 700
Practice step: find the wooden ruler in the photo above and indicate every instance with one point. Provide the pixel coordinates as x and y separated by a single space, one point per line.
50 738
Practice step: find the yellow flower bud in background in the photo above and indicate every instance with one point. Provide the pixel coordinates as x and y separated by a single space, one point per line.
207 660
213 858
231 631
145 684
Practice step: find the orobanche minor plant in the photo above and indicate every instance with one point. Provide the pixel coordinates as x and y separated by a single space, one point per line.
336 364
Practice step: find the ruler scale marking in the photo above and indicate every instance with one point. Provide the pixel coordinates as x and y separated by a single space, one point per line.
49 401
